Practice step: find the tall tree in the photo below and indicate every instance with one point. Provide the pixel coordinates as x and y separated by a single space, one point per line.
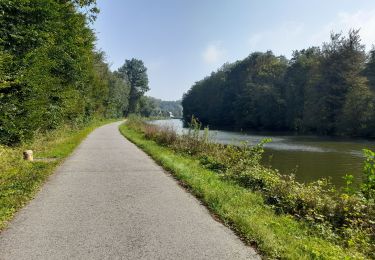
135 72
342 65
111 96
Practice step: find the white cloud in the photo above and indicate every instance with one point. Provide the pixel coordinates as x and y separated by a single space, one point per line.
213 54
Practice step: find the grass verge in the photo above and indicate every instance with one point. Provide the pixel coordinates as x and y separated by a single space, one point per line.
275 235
20 180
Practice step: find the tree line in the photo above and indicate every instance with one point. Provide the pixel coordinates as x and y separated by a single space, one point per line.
327 90
154 107
51 74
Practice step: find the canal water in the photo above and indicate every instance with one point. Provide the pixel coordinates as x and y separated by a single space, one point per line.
308 157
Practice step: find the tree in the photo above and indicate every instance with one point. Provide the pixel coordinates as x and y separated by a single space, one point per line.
358 118
164 108
110 97
342 64
327 90
134 72
260 103
369 71
301 73
50 48
146 106
50 73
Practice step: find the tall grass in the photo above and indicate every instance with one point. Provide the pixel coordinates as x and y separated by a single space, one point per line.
339 216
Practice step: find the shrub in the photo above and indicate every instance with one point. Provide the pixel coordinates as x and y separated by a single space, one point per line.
346 216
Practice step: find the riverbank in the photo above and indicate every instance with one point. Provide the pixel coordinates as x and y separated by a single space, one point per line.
276 234
20 180
309 158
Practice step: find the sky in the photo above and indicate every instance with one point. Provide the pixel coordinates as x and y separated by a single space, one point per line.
182 41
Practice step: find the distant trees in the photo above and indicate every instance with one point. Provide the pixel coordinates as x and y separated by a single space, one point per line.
114 91
162 108
153 107
328 90
135 73
147 106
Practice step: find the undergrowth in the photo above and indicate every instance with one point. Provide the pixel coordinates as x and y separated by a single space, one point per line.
344 217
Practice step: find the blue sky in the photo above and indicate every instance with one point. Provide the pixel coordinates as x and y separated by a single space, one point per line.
182 41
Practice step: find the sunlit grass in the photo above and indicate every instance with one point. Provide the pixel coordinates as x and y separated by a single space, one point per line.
275 235
20 180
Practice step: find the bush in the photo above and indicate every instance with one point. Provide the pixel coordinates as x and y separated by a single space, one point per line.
345 217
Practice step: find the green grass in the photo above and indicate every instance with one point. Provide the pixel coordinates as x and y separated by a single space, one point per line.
20 180
275 235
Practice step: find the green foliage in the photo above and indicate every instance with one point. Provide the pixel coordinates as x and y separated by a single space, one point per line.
156 108
50 74
161 108
111 90
328 90
276 235
135 73
346 218
369 71
146 106
368 186
349 178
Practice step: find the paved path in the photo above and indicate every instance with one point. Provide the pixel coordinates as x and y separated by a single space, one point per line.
111 201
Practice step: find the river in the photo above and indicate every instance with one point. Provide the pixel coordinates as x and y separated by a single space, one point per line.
308 157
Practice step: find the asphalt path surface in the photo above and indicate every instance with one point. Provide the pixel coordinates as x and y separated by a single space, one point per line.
109 200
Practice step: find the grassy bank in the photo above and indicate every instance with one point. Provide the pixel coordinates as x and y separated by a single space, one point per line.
20 180
276 235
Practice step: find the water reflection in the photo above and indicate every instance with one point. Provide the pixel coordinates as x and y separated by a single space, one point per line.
309 157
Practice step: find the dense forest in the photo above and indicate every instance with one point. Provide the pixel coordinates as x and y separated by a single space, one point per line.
51 74
328 90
